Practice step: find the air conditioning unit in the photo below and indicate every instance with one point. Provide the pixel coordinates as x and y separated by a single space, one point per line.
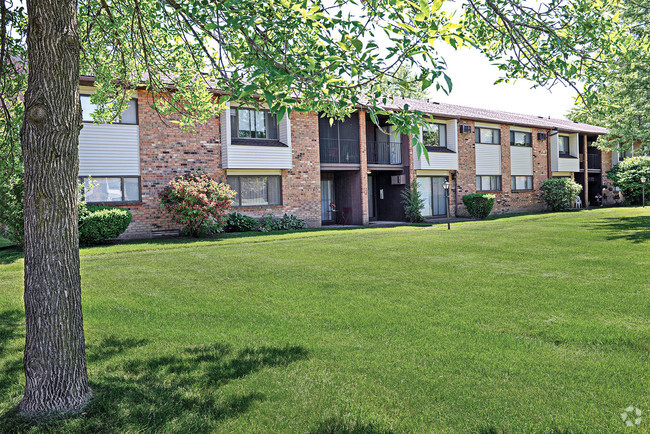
541 136
398 180
465 129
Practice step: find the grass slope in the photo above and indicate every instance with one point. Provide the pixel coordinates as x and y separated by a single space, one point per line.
529 323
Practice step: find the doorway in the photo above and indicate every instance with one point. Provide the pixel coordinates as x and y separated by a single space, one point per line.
433 194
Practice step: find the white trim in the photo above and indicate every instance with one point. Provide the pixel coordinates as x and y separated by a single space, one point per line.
245 172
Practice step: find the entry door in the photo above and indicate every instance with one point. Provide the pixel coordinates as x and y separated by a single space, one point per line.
326 198
371 197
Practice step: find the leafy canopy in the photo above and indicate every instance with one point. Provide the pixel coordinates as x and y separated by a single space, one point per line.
621 94
318 56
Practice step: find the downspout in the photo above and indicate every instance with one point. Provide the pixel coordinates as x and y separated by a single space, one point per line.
548 154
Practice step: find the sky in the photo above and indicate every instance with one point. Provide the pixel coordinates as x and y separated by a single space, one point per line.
473 79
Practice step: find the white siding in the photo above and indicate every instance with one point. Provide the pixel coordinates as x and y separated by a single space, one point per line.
452 135
109 150
521 160
441 160
258 157
555 152
565 164
488 159
225 135
573 144
285 130
568 165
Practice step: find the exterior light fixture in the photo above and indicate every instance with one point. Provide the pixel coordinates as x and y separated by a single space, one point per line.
445 185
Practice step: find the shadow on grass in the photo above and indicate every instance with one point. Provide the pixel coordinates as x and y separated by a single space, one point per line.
178 392
10 254
338 425
634 229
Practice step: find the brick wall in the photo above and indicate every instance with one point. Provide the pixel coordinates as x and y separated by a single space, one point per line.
301 184
506 201
167 151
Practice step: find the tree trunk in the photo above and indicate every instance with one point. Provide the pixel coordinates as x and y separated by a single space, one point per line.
55 354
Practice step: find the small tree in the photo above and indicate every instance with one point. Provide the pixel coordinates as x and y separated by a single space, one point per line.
627 176
195 200
559 193
413 203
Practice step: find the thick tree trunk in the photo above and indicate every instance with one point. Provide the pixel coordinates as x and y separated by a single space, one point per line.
55 355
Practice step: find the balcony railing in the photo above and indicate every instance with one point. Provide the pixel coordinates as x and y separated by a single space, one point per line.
344 151
594 161
384 152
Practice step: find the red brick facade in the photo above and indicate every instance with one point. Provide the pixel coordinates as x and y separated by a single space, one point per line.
166 151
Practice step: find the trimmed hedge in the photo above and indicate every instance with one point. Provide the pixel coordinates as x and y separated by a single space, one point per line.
479 205
98 224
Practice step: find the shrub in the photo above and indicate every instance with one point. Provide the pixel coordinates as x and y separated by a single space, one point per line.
560 193
413 203
240 223
479 205
97 224
197 201
270 223
12 224
627 174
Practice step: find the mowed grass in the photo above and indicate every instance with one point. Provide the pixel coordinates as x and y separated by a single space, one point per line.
532 323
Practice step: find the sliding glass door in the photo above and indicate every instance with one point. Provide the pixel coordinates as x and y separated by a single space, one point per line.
433 194
326 198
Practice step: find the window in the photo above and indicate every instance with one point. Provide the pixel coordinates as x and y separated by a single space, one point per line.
256 190
434 135
522 183
488 183
563 144
253 124
111 189
490 136
128 116
622 155
518 138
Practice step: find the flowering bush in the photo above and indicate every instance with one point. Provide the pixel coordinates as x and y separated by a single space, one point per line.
560 193
197 201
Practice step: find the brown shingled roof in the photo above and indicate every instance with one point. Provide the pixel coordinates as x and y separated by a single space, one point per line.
477 114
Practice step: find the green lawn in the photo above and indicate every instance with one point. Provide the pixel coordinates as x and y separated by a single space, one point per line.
536 323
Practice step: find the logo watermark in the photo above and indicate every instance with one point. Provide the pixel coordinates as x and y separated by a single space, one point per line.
632 416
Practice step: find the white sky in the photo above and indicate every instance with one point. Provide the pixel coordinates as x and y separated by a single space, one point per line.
473 78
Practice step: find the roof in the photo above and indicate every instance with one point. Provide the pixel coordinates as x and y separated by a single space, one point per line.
478 114
471 113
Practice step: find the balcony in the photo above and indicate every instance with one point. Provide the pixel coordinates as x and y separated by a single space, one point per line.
385 152
339 151
594 161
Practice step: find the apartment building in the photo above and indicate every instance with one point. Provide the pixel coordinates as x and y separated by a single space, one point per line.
345 172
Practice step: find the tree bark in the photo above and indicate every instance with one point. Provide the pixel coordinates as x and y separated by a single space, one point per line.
55 356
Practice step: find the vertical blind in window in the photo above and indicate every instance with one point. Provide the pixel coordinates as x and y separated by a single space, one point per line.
253 124
256 190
